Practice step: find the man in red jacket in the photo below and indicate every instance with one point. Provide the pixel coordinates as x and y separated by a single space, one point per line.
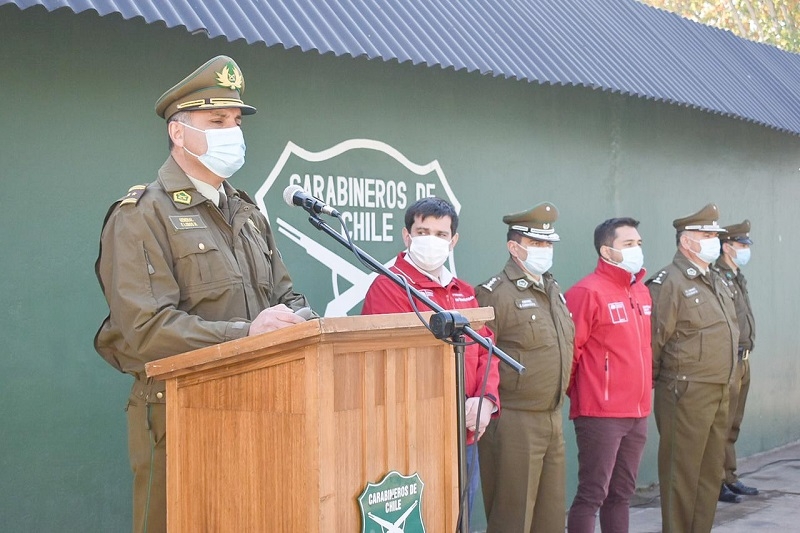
430 236
611 381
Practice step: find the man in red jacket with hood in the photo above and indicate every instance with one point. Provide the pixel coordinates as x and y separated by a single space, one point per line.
611 382
430 236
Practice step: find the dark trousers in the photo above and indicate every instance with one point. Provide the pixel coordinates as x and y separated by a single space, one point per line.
609 452
738 394
147 450
692 421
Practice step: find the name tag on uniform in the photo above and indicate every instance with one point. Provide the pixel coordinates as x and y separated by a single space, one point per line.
647 310
526 303
690 292
187 222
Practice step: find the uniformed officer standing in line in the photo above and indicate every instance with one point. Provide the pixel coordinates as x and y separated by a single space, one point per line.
186 262
735 254
522 452
695 337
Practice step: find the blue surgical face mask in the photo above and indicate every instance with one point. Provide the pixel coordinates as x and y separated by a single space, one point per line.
742 256
225 152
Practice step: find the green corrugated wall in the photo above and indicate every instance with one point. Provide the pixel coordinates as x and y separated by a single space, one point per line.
78 129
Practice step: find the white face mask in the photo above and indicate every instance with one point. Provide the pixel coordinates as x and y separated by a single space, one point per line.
539 259
709 249
225 152
429 252
742 256
632 259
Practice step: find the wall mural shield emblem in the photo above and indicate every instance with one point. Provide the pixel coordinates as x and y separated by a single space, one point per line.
371 184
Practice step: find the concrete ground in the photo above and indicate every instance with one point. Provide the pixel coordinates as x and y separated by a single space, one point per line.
775 473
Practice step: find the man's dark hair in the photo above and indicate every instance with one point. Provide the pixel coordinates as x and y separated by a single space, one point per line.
514 235
432 207
606 232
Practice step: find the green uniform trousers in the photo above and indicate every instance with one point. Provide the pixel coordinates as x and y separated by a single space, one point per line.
148 455
692 420
738 394
523 472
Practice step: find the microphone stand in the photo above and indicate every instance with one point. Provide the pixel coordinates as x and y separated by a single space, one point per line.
443 324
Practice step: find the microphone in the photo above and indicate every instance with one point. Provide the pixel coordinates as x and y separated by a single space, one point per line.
295 195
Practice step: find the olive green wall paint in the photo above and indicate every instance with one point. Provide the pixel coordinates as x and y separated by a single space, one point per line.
78 129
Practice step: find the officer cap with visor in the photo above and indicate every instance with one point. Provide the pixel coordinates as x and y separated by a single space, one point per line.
738 232
536 223
704 220
217 84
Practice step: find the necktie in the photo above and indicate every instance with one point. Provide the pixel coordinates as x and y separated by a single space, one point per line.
223 206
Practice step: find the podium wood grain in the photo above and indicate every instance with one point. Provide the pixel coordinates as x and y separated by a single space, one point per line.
282 431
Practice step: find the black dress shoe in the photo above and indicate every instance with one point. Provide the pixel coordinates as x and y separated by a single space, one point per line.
725 495
740 488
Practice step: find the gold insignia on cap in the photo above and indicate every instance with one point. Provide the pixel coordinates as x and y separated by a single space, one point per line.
230 77
217 84
182 197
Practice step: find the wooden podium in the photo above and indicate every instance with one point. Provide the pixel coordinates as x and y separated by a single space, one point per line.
283 431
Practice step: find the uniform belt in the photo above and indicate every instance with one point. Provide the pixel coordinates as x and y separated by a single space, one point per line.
744 354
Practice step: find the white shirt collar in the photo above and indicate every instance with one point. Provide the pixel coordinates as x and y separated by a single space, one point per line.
445 278
207 190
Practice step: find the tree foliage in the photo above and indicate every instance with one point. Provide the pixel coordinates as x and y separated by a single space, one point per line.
775 22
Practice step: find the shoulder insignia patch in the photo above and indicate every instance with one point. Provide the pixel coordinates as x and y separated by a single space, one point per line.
691 272
134 193
253 225
523 283
658 279
182 197
489 285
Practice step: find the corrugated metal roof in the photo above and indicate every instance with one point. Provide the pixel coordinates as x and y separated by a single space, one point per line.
615 45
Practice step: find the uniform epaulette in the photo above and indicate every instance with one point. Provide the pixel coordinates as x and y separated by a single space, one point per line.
133 196
657 279
489 285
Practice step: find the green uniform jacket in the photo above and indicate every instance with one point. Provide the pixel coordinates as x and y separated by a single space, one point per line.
533 326
741 299
177 276
695 333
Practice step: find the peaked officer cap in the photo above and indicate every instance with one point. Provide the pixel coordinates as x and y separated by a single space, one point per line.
217 84
704 220
738 232
536 223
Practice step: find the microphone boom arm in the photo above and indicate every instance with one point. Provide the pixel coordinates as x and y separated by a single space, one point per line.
377 266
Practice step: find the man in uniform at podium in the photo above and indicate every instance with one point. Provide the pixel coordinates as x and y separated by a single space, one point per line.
430 236
186 262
